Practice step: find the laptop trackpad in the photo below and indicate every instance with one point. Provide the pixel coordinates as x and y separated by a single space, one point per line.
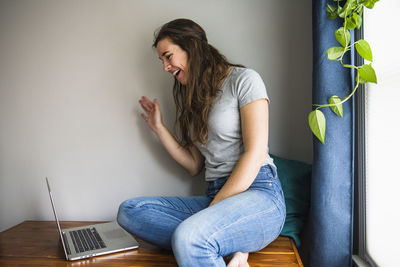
114 234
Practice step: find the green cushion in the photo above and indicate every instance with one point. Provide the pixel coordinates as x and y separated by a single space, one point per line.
295 177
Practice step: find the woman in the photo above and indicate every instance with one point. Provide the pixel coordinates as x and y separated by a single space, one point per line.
222 114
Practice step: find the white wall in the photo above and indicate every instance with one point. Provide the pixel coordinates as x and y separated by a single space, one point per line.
71 73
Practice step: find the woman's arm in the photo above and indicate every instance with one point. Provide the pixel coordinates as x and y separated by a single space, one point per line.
254 119
191 158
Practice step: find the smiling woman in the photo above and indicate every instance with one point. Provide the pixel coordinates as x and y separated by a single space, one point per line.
174 59
222 113
184 49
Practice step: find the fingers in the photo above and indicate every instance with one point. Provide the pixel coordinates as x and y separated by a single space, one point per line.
152 110
144 101
156 106
146 104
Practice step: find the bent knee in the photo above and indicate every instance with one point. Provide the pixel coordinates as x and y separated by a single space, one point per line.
127 209
189 238
183 235
134 203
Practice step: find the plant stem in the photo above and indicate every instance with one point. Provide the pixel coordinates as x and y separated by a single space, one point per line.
344 100
347 48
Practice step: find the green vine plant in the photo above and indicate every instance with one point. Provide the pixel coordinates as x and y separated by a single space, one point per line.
351 13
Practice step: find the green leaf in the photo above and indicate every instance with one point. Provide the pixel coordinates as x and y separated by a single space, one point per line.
338 108
359 5
359 20
334 53
339 11
364 49
317 123
361 80
352 4
370 3
360 10
367 73
343 12
348 8
351 22
331 12
342 36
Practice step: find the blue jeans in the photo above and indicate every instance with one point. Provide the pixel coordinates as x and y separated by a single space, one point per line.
200 235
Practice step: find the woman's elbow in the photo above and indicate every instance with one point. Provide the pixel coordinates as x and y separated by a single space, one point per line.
259 156
195 170
193 173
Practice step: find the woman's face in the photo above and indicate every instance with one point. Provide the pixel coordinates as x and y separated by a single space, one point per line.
174 59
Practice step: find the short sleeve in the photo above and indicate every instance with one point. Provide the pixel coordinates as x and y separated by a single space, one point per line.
250 87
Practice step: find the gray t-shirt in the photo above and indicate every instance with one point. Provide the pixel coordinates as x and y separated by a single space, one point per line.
224 145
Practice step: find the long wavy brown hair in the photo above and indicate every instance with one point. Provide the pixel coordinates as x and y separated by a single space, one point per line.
207 69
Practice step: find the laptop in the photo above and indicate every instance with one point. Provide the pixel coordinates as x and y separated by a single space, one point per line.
93 240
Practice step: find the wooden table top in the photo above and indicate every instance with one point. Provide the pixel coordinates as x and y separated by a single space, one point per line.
37 243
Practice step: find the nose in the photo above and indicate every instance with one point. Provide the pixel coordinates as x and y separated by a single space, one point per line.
167 66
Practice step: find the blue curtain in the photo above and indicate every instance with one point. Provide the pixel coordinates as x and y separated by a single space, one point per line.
331 212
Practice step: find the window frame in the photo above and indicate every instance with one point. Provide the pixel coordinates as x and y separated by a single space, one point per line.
360 256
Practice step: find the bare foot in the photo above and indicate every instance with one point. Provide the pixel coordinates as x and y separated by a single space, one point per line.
239 259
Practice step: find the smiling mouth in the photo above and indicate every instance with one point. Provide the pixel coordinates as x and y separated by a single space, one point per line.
176 72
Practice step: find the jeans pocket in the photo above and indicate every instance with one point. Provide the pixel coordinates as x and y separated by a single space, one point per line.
268 171
265 177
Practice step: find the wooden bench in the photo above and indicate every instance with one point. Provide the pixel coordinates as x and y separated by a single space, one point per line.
37 243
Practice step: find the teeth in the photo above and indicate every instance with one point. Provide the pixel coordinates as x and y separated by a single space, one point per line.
175 72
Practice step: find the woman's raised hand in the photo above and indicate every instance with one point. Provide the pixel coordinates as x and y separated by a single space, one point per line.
153 114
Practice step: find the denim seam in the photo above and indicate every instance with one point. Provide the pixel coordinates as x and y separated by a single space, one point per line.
184 203
279 196
168 215
173 204
211 256
252 215
145 205
276 194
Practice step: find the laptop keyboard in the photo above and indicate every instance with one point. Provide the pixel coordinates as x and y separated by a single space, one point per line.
66 243
86 239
